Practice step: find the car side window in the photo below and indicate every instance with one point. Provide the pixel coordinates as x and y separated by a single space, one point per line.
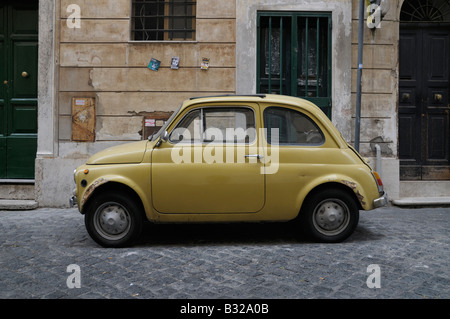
216 124
294 128
189 128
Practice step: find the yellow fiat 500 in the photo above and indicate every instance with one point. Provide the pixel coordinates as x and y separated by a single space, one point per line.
258 158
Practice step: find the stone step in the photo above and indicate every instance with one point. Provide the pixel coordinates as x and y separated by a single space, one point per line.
17 204
17 189
424 189
422 201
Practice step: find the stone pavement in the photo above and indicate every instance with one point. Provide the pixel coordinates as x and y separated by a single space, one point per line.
400 253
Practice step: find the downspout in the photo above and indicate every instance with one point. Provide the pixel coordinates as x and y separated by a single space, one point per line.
359 74
378 159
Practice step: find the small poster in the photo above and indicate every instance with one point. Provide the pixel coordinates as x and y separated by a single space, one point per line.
154 64
150 122
205 64
175 63
80 102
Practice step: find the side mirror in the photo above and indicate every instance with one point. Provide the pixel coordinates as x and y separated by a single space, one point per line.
164 138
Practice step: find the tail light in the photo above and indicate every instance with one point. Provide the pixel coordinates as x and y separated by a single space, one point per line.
378 180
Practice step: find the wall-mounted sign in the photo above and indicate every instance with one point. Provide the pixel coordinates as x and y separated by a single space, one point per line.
153 121
83 119
154 64
175 63
205 64
150 122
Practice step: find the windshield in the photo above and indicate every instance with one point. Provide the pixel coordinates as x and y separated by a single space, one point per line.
154 136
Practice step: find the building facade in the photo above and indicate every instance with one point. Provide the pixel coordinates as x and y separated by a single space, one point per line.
98 73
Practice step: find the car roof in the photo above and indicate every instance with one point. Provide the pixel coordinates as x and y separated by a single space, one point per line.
268 98
300 103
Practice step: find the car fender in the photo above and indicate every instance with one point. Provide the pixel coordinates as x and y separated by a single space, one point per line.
118 179
333 179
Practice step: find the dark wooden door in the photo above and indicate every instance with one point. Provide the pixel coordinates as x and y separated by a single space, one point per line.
424 142
18 92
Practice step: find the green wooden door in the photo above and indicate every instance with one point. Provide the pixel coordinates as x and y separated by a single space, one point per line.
294 55
18 93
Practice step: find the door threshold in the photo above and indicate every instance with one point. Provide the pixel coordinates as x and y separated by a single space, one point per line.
17 181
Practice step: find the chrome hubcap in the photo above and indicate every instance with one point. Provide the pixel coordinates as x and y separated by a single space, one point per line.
112 221
331 216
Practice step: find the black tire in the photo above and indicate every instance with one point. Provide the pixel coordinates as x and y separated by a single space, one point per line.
329 216
113 219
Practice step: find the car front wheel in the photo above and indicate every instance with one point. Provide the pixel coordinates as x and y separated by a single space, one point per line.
330 216
113 220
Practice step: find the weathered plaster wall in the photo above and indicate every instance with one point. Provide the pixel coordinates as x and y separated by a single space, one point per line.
379 82
379 101
99 60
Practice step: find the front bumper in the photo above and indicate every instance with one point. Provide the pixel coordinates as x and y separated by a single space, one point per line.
381 201
73 201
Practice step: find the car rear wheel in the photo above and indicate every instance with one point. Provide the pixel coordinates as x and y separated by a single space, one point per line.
330 216
113 220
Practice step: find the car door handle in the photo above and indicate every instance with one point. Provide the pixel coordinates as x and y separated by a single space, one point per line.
255 155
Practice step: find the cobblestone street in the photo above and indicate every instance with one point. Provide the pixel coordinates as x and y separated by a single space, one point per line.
410 247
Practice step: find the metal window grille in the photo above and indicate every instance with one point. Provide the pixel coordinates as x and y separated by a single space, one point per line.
294 55
162 20
425 11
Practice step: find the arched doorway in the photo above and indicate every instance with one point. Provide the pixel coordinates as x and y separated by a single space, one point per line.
424 85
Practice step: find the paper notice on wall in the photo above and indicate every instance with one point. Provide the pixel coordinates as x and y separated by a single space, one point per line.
154 64
150 122
175 63
205 64
83 119
80 102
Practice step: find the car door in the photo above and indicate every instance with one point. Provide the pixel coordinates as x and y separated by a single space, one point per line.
300 156
210 163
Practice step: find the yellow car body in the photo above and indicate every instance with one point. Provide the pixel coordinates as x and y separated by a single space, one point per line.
251 181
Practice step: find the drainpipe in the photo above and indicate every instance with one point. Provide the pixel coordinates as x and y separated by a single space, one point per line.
358 80
378 160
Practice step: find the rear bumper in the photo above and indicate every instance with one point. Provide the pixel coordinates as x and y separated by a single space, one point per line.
381 201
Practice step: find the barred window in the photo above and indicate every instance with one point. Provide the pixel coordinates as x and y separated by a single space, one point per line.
163 20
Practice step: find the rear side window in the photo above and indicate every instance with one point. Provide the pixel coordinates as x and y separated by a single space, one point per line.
292 127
